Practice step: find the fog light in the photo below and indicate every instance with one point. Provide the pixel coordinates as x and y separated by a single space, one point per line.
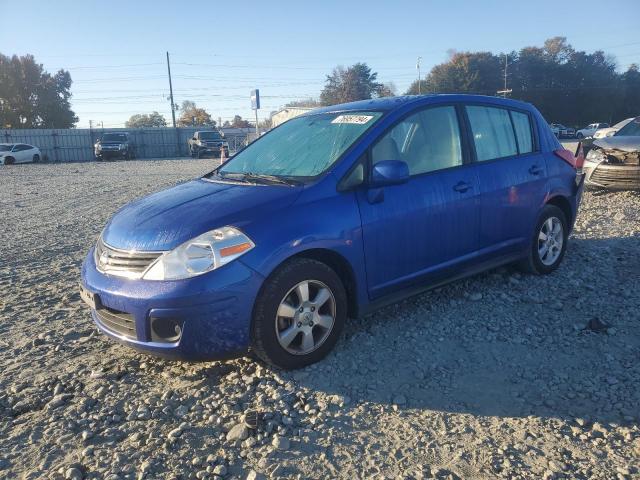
166 330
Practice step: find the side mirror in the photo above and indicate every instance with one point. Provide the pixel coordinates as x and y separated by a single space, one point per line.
389 172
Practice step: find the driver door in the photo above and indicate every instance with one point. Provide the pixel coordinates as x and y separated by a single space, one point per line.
421 230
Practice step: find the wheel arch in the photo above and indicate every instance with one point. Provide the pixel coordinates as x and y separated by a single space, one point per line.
339 264
563 204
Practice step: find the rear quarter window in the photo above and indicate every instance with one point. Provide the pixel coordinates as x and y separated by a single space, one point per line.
522 126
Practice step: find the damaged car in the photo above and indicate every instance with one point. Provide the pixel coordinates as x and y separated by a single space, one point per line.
614 162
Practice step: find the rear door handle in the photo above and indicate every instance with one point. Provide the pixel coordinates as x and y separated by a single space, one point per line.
461 187
535 170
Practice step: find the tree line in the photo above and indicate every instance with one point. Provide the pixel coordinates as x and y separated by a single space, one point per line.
566 85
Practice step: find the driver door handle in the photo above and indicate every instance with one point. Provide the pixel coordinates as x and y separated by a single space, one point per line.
461 187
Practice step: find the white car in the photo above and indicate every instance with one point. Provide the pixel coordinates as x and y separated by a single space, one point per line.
590 129
609 132
11 153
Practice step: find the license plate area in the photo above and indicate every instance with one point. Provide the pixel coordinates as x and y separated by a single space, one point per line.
88 297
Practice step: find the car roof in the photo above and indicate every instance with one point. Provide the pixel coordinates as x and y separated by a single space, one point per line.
387 104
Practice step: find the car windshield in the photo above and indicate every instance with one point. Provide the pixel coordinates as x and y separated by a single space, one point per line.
621 124
631 129
114 137
5 148
210 136
302 147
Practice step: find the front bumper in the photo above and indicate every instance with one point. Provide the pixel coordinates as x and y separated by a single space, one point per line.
212 312
606 175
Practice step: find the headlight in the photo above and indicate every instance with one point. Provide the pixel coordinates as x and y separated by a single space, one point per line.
611 134
98 146
200 255
596 155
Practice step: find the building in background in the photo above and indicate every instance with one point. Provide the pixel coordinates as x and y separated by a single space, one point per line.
287 113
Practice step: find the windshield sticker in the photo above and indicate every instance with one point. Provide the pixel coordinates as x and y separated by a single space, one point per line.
352 119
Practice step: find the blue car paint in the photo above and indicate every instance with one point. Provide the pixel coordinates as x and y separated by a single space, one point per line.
397 241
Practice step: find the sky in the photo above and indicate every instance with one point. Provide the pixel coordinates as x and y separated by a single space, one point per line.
220 51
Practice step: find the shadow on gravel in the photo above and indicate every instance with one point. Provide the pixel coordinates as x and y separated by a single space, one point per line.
521 350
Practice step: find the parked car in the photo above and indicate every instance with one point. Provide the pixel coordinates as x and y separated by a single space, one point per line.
555 130
333 214
115 145
610 131
11 153
210 141
614 162
590 129
563 132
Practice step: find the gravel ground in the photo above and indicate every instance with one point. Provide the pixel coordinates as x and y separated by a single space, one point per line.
492 377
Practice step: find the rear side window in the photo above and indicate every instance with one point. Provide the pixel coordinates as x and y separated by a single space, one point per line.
427 141
492 132
522 126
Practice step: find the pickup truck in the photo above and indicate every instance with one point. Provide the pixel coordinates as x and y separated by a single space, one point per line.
210 141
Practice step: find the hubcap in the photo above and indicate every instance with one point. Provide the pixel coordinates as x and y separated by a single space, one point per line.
305 317
550 241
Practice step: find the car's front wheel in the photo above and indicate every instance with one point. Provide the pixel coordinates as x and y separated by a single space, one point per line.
579 135
36 158
549 242
299 314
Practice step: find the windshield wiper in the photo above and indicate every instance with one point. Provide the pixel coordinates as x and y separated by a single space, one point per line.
270 178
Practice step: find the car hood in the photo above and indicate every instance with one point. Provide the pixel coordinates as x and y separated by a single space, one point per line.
625 143
166 219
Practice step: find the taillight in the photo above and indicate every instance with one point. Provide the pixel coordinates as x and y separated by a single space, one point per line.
567 156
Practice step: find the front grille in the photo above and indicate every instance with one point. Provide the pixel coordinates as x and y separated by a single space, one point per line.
123 263
619 176
116 321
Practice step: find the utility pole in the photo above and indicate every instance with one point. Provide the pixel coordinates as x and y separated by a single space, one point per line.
505 90
418 67
173 109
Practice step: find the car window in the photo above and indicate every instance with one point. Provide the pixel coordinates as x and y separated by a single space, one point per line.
522 126
492 132
427 141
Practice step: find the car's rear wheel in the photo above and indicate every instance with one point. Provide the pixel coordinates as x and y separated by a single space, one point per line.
299 314
36 158
549 242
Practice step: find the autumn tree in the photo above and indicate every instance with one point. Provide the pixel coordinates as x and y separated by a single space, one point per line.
356 82
30 97
143 120
193 116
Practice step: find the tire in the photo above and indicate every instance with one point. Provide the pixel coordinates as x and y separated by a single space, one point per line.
537 262
192 153
36 158
9 161
198 154
279 294
579 135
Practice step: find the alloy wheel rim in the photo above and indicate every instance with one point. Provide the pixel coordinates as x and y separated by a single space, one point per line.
305 317
550 241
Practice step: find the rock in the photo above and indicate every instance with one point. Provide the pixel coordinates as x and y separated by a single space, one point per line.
475 296
73 473
238 432
253 475
58 401
280 442
220 470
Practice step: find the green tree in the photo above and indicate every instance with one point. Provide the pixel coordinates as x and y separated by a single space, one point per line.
306 103
630 105
143 120
30 97
357 82
465 72
193 116
239 122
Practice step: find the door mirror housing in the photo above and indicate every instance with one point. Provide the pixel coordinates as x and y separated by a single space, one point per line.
389 172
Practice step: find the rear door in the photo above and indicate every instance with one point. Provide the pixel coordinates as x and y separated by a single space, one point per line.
512 173
421 229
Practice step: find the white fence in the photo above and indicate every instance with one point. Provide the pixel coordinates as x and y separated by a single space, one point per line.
76 145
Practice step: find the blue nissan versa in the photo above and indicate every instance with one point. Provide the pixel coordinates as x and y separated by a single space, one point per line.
330 215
